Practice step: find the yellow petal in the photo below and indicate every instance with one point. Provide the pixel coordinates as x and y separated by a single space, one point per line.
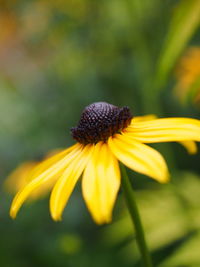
66 183
165 130
143 118
190 146
27 171
100 184
55 169
139 157
50 160
18 178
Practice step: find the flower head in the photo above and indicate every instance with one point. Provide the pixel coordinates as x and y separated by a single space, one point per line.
106 135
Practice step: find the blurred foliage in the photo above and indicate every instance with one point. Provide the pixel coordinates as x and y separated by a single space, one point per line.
171 216
56 57
185 20
188 76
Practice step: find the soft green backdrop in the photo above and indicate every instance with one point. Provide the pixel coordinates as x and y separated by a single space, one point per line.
56 57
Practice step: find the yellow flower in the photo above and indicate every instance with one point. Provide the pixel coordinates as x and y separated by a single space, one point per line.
188 73
106 135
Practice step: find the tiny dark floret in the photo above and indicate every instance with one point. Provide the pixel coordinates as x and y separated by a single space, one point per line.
99 121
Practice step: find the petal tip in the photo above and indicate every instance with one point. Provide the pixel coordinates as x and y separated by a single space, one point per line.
102 220
13 214
165 180
194 152
56 217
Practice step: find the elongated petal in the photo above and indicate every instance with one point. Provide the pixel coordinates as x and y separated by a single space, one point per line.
100 184
139 157
45 164
165 130
55 169
51 158
190 146
18 178
66 183
143 118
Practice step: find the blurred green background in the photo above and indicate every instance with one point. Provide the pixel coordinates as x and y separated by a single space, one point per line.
56 57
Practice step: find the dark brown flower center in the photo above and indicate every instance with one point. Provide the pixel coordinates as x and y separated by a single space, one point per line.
99 121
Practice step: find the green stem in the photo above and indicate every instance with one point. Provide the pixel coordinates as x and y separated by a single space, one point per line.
132 207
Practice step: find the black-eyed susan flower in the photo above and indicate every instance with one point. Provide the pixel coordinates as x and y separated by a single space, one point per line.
188 74
106 135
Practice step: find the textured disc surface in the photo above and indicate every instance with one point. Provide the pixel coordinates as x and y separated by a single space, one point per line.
99 121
